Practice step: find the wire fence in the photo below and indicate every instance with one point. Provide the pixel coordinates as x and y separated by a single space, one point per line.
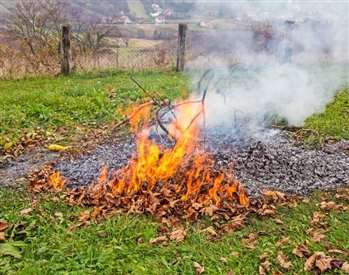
144 47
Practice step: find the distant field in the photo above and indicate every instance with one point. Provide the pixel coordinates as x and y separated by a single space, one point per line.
136 7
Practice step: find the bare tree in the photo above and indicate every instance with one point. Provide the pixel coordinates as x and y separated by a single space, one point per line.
37 22
99 30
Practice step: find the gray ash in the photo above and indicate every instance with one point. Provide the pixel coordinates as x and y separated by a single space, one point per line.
267 160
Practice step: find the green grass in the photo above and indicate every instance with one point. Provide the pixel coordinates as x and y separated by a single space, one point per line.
333 123
90 100
42 243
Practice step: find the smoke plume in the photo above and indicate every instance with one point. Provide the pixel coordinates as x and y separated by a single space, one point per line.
291 61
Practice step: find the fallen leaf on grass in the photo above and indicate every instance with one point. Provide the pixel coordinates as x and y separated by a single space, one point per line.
327 206
278 221
234 254
4 226
267 210
318 235
84 215
263 256
284 240
323 263
337 263
318 215
157 240
2 236
345 267
336 251
283 261
251 241
199 269
264 268
178 234
209 230
276 196
223 260
236 223
318 260
25 211
102 234
301 250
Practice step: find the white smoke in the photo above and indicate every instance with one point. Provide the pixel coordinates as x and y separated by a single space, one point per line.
293 91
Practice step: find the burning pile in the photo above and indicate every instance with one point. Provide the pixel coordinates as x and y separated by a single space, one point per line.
162 180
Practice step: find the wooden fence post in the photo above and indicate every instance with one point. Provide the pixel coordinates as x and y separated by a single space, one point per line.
288 42
182 31
65 50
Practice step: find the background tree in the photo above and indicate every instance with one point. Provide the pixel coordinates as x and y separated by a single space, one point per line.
38 22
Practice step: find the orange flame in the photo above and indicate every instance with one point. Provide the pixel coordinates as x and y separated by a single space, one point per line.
55 180
183 164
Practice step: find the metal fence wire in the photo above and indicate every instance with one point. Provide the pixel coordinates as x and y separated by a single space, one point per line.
151 46
262 44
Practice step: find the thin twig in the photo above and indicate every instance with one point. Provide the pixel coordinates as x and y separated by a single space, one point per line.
148 94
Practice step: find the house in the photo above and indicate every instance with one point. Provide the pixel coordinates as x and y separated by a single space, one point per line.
125 19
205 24
168 12
160 20
155 14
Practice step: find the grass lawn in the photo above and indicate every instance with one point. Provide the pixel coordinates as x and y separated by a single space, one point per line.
41 234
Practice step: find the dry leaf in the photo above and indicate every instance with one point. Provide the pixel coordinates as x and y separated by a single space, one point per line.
323 263
161 239
223 260
199 269
337 251
95 213
283 261
84 215
178 234
234 254
328 205
284 240
336 263
301 250
209 210
140 241
261 270
267 211
308 265
278 221
318 235
101 234
4 226
236 223
318 215
263 256
209 230
2 236
264 267
345 267
251 241
25 211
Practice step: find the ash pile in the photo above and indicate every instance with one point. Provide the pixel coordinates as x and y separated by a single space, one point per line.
270 160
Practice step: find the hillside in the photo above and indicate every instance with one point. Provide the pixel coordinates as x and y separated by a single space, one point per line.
139 8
